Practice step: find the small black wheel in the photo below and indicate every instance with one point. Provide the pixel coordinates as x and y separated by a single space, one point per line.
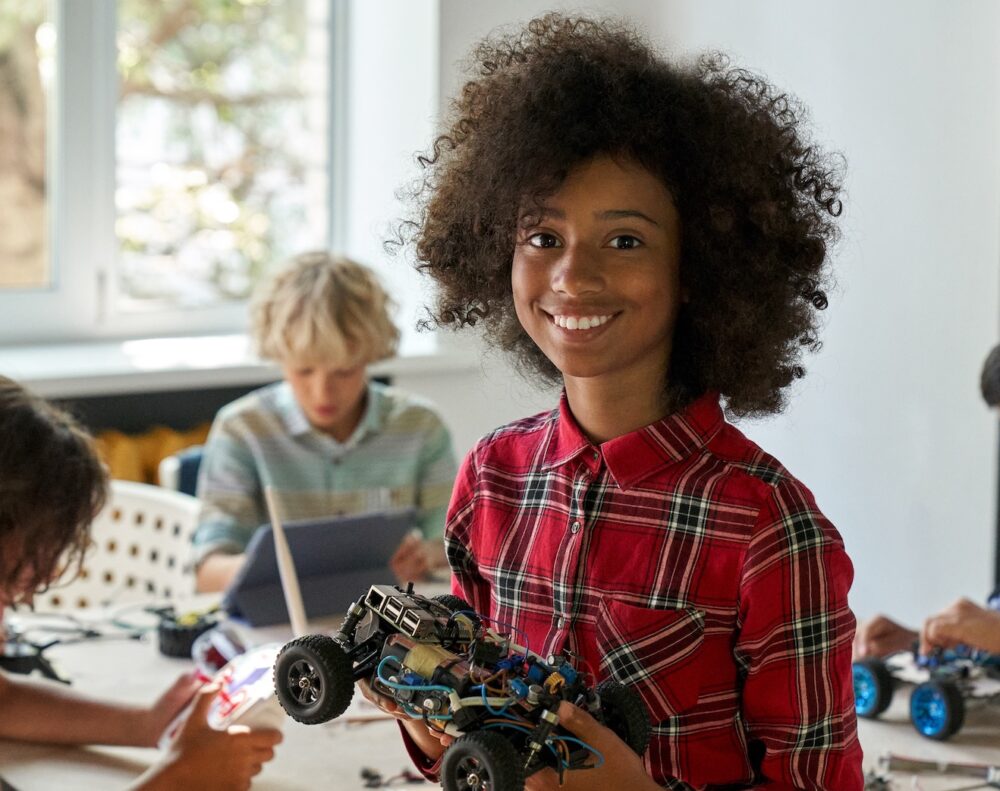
625 714
313 679
176 638
482 761
937 709
873 687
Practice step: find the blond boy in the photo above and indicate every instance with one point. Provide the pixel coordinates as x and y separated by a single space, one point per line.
326 439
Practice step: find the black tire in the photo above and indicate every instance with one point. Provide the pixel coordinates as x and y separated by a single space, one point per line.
482 761
946 717
875 670
313 679
176 639
625 713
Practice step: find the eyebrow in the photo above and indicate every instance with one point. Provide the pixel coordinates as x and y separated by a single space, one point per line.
610 214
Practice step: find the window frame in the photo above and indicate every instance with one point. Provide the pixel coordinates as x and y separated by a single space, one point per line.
78 304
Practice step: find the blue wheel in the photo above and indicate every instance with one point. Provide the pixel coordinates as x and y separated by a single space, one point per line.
937 709
872 687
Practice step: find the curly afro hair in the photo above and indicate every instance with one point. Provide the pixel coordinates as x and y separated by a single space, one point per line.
52 484
757 200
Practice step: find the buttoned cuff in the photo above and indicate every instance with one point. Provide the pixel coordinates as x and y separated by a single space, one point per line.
428 768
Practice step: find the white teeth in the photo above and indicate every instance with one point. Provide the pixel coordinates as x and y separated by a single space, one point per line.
580 322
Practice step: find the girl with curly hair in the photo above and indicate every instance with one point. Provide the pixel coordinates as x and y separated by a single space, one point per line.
655 237
52 484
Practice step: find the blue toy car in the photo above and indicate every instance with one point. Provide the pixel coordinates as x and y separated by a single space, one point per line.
947 682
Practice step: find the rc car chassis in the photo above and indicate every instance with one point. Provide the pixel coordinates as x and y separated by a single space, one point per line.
947 683
438 661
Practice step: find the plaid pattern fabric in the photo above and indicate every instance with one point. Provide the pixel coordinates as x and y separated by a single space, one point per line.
400 455
684 561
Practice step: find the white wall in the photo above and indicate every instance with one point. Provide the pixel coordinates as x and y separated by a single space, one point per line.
887 428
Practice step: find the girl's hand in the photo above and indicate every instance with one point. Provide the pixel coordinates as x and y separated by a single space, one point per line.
158 716
429 741
622 768
202 757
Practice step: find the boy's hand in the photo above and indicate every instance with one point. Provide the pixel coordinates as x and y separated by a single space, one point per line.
965 623
410 563
202 757
881 636
622 768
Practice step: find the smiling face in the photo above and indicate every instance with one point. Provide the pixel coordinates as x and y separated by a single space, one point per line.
596 276
332 397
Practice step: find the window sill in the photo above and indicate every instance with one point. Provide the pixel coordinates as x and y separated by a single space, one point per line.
189 363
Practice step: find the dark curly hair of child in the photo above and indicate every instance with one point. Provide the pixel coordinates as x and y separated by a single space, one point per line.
757 200
52 484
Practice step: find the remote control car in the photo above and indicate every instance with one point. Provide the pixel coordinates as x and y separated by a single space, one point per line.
438 660
947 683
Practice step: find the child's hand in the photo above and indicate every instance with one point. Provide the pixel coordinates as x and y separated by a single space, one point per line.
881 636
202 757
167 707
427 740
622 768
965 623
410 563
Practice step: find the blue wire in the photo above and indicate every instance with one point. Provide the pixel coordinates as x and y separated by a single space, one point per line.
406 706
491 710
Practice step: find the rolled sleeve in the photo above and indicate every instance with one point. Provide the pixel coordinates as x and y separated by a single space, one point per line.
230 493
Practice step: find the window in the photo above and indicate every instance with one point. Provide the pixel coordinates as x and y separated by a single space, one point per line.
190 150
27 51
221 155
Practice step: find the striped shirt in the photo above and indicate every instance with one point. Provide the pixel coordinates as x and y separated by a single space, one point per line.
399 455
682 560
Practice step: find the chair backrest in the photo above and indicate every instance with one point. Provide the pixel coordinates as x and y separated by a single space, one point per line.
179 471
141 551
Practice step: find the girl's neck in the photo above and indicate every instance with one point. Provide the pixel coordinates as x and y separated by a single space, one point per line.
606 408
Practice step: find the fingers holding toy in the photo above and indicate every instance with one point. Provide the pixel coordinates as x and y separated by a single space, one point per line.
614 764
881 636
173 700
383 703
202 757
963 623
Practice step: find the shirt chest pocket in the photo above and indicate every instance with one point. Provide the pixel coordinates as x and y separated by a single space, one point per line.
653 651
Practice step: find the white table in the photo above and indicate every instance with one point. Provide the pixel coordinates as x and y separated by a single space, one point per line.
134 671
332 755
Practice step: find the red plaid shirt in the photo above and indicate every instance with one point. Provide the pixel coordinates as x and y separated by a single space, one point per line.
685 562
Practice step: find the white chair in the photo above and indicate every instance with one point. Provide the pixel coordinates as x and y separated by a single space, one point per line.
141 551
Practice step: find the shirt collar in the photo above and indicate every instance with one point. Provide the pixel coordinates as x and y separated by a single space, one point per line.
297 424
635 456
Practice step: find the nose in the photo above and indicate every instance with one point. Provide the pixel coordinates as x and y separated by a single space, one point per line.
578 272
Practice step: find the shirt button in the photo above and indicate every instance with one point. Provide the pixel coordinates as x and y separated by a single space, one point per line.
597 455
575 528
561 623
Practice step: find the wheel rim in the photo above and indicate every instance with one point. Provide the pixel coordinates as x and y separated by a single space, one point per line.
928 710
865 690
304 683
472 775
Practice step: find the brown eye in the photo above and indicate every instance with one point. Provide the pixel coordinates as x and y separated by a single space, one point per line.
625 242
543 240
